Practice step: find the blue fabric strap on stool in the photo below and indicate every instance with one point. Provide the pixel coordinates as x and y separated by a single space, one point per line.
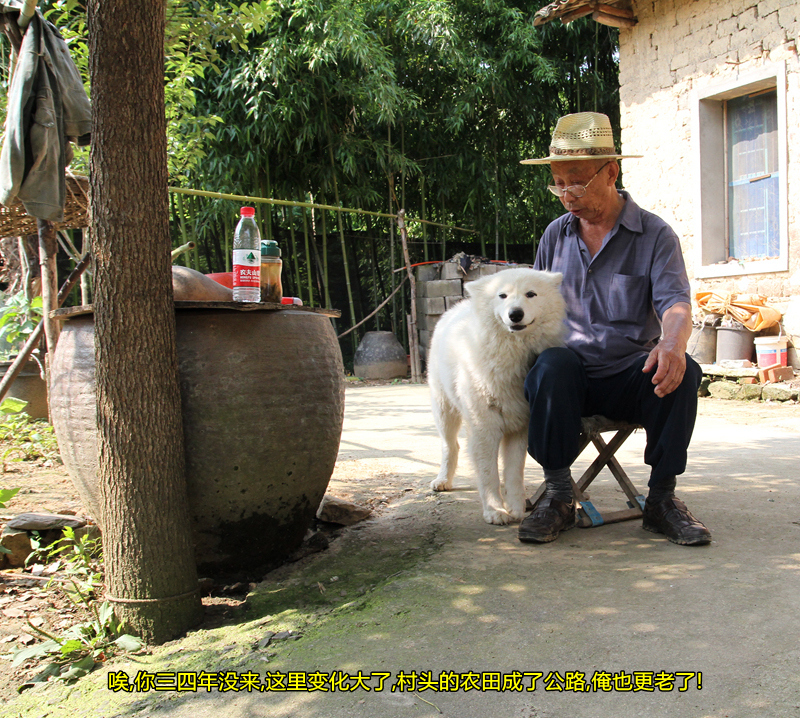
592 513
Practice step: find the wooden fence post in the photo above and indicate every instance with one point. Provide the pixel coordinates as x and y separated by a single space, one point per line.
413 337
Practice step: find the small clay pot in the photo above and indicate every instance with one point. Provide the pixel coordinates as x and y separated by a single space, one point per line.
380 356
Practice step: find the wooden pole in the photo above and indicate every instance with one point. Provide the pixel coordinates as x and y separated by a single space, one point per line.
48 249
413 339
22 357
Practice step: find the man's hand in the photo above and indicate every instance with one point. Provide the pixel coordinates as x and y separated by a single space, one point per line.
669 355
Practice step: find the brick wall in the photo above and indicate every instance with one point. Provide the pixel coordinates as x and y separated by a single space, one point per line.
681 46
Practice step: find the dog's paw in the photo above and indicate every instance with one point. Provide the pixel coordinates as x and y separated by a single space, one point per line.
516 516
517 513
439 484
499 517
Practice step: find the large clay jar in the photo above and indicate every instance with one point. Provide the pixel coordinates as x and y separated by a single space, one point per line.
263 403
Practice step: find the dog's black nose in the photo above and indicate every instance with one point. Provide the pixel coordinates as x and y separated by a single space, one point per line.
516 315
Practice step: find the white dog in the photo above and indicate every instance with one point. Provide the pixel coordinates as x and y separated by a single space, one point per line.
480 353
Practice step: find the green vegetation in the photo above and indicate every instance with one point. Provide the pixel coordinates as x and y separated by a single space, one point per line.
24 439
76 565
371 104
19 316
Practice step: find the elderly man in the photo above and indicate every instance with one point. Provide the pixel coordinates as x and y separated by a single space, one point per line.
628 323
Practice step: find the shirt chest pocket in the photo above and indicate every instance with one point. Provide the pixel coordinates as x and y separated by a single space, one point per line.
628 298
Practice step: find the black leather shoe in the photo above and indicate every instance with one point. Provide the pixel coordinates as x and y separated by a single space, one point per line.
671 518
549 518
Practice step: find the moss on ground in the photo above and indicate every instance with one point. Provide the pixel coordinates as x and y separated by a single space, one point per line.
319 595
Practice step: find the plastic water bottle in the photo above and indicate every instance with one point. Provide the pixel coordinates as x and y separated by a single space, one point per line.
247 258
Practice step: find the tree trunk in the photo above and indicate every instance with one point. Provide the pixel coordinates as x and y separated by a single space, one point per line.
151 577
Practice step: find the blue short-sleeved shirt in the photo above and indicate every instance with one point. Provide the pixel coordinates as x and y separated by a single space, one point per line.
615 300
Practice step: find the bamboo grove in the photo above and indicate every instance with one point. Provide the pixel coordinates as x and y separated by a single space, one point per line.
426 105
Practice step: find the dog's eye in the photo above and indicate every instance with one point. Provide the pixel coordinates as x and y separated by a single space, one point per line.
502 296
530 295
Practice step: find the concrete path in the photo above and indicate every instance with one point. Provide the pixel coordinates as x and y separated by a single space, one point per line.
605 622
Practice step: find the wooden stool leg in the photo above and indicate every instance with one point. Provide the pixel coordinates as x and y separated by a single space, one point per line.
531 502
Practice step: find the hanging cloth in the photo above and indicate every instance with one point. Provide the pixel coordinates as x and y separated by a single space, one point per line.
47 106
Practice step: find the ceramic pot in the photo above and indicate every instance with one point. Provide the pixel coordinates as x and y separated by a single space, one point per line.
380 356
262 394
28 386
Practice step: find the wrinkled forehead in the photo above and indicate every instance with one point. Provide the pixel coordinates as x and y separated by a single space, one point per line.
575 171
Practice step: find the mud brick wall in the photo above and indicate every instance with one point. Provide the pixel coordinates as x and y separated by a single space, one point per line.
680 49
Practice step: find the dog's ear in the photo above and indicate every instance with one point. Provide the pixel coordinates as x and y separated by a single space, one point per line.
474 288
557 278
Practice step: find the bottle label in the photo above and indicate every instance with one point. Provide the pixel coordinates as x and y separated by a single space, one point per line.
246 268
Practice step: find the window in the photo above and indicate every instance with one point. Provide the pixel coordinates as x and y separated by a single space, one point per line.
740 135
752 159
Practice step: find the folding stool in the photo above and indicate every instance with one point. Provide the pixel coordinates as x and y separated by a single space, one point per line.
588 515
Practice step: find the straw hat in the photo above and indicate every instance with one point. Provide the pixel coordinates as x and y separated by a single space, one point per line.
582 136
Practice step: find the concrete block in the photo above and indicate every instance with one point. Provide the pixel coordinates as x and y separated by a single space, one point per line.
441 288
430 305
481 271
451 270
450 302
427 272
429 322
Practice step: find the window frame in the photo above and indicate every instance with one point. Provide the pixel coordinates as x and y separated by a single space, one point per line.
711 181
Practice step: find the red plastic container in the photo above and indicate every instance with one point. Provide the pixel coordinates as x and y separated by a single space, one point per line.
223 278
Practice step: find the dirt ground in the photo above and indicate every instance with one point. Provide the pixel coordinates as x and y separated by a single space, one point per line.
26 600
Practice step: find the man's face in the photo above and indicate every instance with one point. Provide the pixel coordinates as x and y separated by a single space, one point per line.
599 192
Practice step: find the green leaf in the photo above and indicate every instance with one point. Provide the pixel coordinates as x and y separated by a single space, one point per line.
11 405
71 646
40 649
104 613
6 495
51 670
79 669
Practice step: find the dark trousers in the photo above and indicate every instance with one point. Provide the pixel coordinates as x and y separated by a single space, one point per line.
560 393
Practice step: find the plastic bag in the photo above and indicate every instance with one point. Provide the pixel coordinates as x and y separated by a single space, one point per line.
750 310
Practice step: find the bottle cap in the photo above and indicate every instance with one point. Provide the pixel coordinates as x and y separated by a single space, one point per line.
247 211
270 248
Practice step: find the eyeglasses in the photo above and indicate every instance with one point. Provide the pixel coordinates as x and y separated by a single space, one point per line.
576 190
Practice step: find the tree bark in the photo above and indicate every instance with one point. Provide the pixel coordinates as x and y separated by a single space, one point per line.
151 577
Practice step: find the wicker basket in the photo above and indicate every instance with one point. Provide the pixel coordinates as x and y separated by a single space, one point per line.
15 221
